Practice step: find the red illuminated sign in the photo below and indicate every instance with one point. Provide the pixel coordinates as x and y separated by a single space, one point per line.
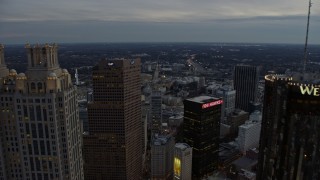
210 104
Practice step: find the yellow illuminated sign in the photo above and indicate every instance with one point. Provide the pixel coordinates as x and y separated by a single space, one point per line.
177 167
310 90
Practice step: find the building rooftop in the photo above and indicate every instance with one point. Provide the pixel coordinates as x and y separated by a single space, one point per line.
160 140
247 174
182 146
248 124
245 163
202 99
254 150
296 78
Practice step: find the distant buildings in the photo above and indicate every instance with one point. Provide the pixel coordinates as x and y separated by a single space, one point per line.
227 93
290 135
113 149
246 79
234 120
201 131
40 136
182 161
162 149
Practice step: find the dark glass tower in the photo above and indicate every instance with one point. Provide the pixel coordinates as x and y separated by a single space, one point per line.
290 133
201 130
113 147
246 80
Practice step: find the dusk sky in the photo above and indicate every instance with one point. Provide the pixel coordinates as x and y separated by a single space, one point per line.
253 21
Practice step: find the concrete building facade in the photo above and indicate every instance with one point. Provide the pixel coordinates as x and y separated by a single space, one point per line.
249 135
39 129
182 161
162 149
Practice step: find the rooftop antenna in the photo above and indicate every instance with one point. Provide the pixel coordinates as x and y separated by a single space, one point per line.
306 42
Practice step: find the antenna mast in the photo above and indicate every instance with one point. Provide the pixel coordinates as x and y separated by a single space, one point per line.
306 42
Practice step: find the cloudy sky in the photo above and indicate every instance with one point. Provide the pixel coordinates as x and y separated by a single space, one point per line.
266 21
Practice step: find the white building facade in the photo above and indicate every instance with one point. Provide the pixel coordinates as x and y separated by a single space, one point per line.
182 161
249 133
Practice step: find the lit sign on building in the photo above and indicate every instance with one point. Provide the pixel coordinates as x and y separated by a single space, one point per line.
177 167
210 104
312 91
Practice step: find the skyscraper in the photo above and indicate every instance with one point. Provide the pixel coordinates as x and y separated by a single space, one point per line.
246 80
156 111
201 130
40 128
182 161
113 147
162 149
290 131
228 95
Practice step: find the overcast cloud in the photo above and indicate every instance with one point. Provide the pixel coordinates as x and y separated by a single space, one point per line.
181 20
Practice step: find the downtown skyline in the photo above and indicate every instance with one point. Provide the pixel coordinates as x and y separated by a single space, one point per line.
140 21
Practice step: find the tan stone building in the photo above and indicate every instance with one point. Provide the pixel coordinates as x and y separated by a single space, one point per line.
39 121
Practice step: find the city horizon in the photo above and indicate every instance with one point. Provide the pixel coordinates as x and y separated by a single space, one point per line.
137 21
159 42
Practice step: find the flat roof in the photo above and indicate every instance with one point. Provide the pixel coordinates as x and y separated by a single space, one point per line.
182 146
161 140
203 99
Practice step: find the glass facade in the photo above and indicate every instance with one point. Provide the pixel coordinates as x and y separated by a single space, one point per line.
201 129
290 136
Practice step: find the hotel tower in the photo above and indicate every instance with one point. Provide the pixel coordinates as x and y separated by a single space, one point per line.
290 130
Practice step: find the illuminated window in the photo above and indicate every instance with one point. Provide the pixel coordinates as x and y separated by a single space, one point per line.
177 167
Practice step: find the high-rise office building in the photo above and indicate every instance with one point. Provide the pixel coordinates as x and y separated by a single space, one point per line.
249 135
182 161
39 129
246 80
156 111
290 131
113 148
228 95
201 130
162 149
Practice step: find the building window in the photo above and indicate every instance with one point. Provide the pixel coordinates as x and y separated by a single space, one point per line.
33 87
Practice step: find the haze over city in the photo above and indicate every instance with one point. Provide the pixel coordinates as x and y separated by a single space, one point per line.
59 21
159 90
